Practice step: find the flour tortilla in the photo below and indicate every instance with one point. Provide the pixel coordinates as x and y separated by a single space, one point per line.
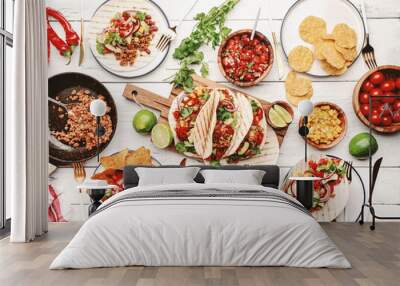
204 126
202 145
244 121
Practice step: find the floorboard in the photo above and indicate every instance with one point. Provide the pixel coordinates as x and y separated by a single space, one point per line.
375 257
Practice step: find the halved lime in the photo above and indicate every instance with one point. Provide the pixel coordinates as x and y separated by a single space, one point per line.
144 121
286 116
276 119
161 135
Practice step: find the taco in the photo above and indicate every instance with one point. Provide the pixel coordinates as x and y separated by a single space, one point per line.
233 121
191 117
255 137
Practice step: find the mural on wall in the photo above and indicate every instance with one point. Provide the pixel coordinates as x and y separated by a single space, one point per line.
200 121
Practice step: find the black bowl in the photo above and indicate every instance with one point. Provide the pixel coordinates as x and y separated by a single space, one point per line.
61 86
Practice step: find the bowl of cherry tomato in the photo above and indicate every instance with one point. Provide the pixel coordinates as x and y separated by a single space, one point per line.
245 62
380 86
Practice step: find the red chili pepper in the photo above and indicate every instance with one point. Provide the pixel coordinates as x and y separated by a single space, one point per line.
71 36
59 43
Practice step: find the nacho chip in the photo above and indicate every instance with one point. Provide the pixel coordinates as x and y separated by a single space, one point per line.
332 70
116 161
295 100
312 29
332 56
297 86
301 59
141 156
344 36
111 176
348 54
328 37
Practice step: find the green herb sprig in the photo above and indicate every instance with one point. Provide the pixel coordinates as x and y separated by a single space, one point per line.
210 29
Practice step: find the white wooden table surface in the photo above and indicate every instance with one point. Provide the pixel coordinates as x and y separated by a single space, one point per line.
384 26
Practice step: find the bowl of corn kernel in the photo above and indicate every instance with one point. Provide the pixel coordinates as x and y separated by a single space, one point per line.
327 125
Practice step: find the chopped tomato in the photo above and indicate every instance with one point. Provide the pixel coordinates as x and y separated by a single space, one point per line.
258 116
182 133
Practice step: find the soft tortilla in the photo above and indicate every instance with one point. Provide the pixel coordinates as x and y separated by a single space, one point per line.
202 147
244 119
203 129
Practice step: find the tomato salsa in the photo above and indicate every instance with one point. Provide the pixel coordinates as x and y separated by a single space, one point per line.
245 60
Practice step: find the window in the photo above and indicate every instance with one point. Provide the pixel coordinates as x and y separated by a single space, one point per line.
6 44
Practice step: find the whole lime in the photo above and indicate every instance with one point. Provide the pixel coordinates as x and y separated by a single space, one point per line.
361 143
144 120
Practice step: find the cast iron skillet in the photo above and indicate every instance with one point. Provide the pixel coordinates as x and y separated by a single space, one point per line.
61 86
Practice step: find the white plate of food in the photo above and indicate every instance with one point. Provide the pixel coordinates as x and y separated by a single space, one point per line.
335 24
123 35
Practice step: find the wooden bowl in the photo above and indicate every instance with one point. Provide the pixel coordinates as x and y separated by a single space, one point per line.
392 70
261 37
343 120
285 105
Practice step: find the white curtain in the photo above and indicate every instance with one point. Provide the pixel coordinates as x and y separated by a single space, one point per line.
26 130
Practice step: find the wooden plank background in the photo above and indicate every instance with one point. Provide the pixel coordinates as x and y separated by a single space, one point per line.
384 25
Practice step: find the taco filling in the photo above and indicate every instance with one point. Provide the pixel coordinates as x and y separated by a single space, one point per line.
225 126
251 145
186 115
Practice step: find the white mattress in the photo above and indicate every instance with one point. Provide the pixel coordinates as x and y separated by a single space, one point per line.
185 230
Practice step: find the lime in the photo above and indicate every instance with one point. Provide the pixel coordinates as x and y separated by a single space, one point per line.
276 120
144 120
161 135
286 116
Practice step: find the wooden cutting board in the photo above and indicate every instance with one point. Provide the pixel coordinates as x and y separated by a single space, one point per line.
270 152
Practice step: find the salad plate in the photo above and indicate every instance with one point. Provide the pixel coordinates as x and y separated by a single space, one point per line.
332 12
123 35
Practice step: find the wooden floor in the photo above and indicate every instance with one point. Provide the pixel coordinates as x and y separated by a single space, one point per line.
375 257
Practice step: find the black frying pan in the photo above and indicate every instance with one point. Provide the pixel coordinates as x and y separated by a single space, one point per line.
61 86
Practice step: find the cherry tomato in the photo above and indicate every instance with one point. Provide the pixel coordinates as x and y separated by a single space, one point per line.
363 97
388 85
396 105
386 120
375 119
377 78
367 86
375 92
388 97
384 109
396 117
364 108
397 83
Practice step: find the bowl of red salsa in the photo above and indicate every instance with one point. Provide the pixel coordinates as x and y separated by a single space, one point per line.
245 62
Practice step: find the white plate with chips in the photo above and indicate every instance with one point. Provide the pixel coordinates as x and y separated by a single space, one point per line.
333 12
143 64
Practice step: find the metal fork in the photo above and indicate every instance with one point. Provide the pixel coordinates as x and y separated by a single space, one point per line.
167 38
79 172
367 51
348 167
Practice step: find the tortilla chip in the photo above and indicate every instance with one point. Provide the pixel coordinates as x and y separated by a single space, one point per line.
116 161
301 59
332 70
295 100
332 56
344 36
312 29
297 86
141 156
348 54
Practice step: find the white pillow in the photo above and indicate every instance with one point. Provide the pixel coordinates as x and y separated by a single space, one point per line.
166 176
245 177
